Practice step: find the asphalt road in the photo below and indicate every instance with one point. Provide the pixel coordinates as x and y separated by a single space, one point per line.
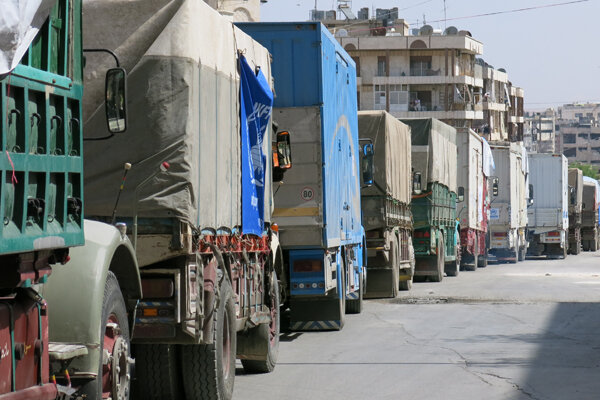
511 331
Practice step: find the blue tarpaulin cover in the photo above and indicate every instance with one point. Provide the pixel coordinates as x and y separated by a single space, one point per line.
256 98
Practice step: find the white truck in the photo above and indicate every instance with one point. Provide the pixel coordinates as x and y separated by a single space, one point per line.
475 166
549 214
508 208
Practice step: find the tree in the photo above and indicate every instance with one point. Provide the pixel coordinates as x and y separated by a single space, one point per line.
587 170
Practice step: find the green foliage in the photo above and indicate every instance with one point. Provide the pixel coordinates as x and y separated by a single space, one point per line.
587 170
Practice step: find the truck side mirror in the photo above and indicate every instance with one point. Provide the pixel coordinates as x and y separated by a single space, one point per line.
367 165
116 99
495 187
282 155
461 195
416 182
572 193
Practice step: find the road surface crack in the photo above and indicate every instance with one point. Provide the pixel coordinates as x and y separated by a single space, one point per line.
508 380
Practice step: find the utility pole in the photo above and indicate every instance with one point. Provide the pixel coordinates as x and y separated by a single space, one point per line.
445 17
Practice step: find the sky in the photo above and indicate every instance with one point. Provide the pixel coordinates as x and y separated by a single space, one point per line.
553 53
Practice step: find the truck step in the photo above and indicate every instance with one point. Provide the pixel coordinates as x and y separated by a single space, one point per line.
65 351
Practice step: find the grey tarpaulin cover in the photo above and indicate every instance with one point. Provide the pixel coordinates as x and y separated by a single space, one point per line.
392 158
183 107
20 21
434 151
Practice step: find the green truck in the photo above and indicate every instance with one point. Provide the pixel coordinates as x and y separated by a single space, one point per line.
42 206
435 238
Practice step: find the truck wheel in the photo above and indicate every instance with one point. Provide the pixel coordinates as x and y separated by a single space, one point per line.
395 269
482 261
407 284
114 369
522 253
355 306
439 275
157 372
269 332
585 244
452 268
209 370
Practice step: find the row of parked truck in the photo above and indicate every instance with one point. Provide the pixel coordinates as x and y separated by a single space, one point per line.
172 183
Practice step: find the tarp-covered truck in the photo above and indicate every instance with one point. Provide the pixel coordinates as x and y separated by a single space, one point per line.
386 214
318 206
590 231
475 166
575 209
548 216
196 203
436 239
508 208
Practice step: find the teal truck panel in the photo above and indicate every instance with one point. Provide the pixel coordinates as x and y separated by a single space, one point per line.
41 166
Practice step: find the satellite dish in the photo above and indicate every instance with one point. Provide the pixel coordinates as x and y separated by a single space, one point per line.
341 33
464 33
451 31
502 70
426 30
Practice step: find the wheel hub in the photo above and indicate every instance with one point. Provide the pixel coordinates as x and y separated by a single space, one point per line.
116 363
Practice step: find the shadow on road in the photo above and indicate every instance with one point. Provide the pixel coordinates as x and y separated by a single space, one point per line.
566 364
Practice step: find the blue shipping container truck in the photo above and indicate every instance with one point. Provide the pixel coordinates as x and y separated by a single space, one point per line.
318 208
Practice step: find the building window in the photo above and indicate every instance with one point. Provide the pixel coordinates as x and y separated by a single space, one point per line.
569 138
421 66
572 152
381 66
398 97
380 99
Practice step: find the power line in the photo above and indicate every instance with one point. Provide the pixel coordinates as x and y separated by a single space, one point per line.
512 11
495 13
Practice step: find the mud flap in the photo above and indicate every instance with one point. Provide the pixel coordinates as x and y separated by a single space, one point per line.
316 315
379 283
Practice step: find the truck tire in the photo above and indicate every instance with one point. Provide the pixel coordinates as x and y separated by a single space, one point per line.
440 256
453 267
395 269
482 261
355 306
208 370
271 332
112 381
406 285
522 253
157 372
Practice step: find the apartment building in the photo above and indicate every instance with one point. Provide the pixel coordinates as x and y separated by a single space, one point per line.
585 113
541 130
426 73
580 142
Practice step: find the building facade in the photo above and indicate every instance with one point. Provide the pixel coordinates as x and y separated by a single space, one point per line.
541 128
425 73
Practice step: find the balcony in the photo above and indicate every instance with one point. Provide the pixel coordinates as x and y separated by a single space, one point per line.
435 78
493 106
